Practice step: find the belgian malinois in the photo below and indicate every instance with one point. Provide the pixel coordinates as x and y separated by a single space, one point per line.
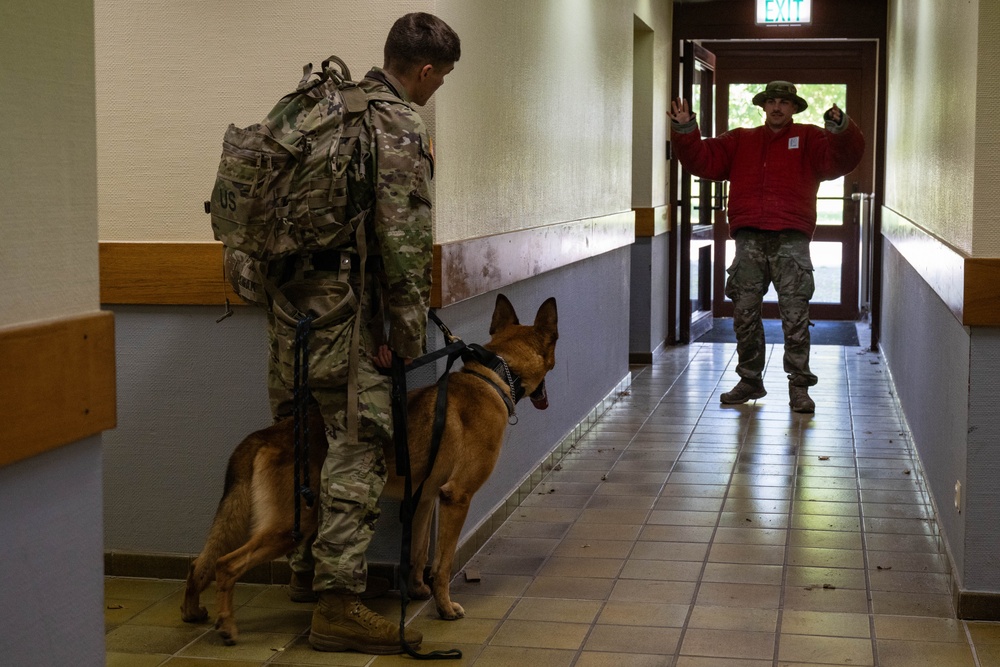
255 518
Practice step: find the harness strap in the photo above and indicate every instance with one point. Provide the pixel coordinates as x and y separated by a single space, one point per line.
410 498
503 395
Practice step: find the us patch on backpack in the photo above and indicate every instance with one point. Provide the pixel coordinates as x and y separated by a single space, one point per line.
281 186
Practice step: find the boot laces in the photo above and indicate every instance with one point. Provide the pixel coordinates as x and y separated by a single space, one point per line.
370 618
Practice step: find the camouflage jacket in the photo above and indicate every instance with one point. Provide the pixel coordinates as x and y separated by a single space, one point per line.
392 178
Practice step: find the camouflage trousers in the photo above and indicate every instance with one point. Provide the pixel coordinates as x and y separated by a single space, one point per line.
762 258
353 473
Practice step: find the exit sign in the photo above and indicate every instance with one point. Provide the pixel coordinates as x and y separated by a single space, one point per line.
784 12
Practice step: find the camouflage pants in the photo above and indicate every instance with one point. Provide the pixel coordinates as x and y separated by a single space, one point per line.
763 257
353 473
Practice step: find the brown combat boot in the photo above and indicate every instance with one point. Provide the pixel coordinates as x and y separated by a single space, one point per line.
798 398
744 391
341 623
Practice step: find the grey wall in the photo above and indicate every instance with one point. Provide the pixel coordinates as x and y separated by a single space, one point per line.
648 294
982 497
50 546
927 351
189 389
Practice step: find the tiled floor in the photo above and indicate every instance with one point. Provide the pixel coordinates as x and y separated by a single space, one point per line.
676 533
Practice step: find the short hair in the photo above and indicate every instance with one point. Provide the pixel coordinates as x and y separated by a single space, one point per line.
417 39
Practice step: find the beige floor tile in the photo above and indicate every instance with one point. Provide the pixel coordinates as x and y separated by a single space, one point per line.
838 558
811 577
541 634
728 644
701 534
825 650
747 553
572 548
668 551
984 633
989 655
507 656
826 599
249 646
599 568
463 631
760 536
629 612
917 628
732 573
563 611
661 570
626 639
893 653
119 659
733 618
143 639
913 604
824 539
601 659
694 661
208 662
825 624
574 588
663 592
739 595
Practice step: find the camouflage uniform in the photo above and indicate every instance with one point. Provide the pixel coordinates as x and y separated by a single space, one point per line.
763 257
390 179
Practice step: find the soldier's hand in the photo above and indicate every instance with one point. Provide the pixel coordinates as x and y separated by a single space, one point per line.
382 357
679 111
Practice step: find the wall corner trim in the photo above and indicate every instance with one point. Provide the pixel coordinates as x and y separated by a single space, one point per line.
969 286
58 383
652 221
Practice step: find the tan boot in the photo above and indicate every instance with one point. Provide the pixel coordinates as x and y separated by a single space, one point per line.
341 623
798 398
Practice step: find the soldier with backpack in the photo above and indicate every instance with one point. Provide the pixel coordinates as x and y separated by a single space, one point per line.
358 275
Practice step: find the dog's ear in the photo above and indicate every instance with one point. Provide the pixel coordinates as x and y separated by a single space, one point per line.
503 315
547 319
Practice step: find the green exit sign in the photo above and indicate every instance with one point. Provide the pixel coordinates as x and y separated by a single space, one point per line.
784 12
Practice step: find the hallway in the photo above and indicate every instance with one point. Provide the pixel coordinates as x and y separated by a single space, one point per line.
676 533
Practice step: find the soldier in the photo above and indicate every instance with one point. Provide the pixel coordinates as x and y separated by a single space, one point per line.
774 173
389 188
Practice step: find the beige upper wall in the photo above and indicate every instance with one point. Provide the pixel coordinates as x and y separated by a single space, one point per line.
532 128
986 219
653 28
534 125
942 137
48 256
172 75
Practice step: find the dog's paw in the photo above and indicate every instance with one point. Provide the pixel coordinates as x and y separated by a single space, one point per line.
451 612
226 628
420 592
199 616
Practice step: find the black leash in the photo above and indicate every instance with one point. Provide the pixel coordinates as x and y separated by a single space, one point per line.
453 350
300 425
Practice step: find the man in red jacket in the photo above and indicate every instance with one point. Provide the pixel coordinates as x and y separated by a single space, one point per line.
774 172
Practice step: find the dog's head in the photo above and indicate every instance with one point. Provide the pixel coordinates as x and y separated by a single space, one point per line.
530 351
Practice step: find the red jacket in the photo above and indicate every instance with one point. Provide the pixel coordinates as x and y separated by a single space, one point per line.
773 176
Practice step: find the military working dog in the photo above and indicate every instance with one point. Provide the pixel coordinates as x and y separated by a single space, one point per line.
254 522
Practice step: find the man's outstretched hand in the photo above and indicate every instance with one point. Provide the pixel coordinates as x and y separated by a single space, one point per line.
679 111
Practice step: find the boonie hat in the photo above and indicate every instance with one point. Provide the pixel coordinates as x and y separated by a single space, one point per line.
780 90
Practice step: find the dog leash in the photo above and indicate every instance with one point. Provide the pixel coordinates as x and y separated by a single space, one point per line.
453 350
300 424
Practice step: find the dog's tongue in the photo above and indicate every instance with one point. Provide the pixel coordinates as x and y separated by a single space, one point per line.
540 398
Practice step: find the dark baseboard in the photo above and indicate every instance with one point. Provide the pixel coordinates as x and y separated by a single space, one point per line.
976 606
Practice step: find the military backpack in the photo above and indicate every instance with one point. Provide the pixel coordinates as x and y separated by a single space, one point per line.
281 186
